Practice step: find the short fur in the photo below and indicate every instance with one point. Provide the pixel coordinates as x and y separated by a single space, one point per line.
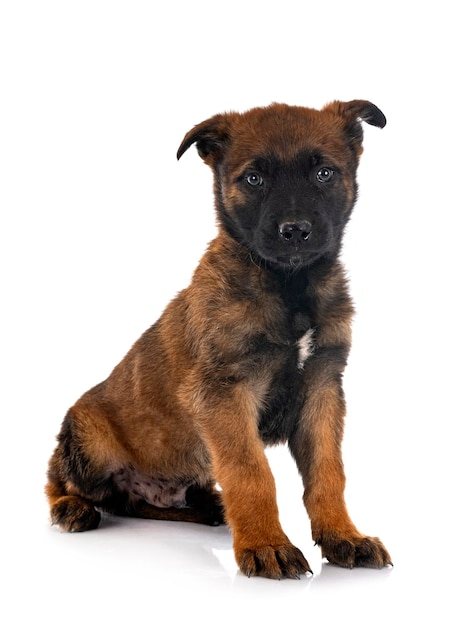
250 354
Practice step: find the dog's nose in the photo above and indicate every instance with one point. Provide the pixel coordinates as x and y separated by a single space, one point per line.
295 231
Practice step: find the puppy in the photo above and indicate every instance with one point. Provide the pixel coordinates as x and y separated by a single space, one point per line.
251 354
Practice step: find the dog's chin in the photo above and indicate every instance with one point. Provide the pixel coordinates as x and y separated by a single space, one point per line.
291 262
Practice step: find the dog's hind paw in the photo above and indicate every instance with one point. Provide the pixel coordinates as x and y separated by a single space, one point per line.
282 561
208 503
74 514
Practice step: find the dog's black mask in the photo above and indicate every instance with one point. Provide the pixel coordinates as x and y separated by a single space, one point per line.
285 177
293 212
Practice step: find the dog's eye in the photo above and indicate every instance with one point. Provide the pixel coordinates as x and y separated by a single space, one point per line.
254 179
325 174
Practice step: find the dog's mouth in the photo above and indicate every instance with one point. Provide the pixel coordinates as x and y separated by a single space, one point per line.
293 262
294 258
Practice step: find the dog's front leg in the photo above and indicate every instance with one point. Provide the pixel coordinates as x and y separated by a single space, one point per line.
316 446
229 426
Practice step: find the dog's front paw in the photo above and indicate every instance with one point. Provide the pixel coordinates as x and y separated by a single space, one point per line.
358 551
280 561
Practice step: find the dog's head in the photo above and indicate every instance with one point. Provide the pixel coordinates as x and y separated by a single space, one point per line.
285 176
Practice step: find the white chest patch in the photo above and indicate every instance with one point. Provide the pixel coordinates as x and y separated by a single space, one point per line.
305 347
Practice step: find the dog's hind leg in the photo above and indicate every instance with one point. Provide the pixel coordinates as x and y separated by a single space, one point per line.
69 509
74 513
76 480
79 488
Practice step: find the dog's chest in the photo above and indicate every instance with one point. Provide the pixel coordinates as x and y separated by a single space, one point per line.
299 323
285 397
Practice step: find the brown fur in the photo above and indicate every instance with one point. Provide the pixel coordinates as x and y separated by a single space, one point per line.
196 399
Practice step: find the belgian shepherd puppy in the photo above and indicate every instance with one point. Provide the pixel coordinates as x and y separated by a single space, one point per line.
250 354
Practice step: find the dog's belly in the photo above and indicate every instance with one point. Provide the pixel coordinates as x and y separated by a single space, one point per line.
160 492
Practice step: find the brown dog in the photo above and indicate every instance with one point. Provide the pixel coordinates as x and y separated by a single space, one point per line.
250 354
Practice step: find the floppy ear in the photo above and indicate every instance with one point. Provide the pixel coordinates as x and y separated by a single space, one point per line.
362 110
211 137
355 112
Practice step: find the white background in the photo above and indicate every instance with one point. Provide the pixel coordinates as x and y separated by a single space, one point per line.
101 226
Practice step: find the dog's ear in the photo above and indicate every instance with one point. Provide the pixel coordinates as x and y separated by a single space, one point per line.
211 137
362 110
355 112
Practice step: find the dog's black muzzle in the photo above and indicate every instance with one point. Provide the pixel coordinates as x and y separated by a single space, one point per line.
293 243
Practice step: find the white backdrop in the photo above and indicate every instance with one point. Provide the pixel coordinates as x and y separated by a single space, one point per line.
101 226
